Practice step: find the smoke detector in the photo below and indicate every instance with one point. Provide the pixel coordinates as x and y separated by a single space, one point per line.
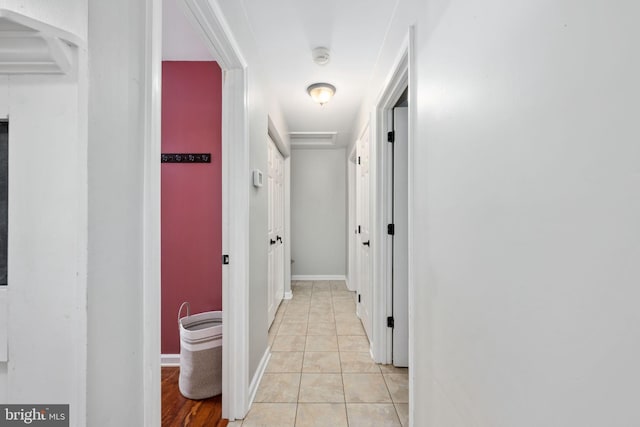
321 55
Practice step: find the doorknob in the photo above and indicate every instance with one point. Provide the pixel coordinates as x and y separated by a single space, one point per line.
271 241
366 243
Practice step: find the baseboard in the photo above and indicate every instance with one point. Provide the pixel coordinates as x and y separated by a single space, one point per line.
288 295
349 286
303 277
255 382
169 360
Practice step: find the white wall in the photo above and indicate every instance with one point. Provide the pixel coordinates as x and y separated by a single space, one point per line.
69 15
47 278
58 267
318 212
526 211
115 391
46 295
260 106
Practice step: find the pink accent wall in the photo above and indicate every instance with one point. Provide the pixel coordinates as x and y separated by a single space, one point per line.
191 193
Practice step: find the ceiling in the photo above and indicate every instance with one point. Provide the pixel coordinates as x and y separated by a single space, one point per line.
285 32
180 41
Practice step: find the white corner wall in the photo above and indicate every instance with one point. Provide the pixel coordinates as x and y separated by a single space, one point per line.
75 296
46 295
526 207
318 212
47 277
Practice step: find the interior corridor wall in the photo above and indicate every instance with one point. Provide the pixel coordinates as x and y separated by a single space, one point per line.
526 233
191 193
44 305
260 106
318 212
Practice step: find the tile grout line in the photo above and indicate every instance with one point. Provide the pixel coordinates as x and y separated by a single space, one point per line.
395 408
295 419
344 392
304 355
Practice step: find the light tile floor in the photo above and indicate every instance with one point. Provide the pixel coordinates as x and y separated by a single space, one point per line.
320 373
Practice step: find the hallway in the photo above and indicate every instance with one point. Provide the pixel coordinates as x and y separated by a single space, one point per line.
320 372
521 217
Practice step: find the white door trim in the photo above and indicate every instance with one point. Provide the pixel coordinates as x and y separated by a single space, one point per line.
151 208
235 243
402 74
288 293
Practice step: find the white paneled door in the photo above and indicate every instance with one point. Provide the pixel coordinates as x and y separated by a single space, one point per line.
275 182
400 237
365 302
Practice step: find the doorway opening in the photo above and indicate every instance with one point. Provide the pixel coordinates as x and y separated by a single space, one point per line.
392 207
205 18
191 237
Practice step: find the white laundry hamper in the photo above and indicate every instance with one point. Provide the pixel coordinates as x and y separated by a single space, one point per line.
200 354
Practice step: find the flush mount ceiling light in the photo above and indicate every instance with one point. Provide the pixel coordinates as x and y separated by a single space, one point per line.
321 92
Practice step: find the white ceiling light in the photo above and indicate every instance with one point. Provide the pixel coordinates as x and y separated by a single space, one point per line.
321 55
321 92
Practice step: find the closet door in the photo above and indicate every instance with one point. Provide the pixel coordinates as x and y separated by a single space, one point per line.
365 291
275 179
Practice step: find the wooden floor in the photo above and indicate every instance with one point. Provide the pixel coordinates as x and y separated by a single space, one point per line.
178 411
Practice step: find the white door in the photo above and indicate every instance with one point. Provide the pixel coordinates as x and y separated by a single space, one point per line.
275 184
364 252
400 237
354 237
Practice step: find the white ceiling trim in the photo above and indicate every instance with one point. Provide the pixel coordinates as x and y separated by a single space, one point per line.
210 23
29 46
313 139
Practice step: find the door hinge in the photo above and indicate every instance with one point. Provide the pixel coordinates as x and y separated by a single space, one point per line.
225 259
391 136
359 229
390 322
358 159
391 229
359 298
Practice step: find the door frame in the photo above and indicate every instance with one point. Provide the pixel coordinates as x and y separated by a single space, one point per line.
207 18
218 37
402 75
151 291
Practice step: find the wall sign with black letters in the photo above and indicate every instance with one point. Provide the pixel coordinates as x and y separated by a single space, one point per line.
186 158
